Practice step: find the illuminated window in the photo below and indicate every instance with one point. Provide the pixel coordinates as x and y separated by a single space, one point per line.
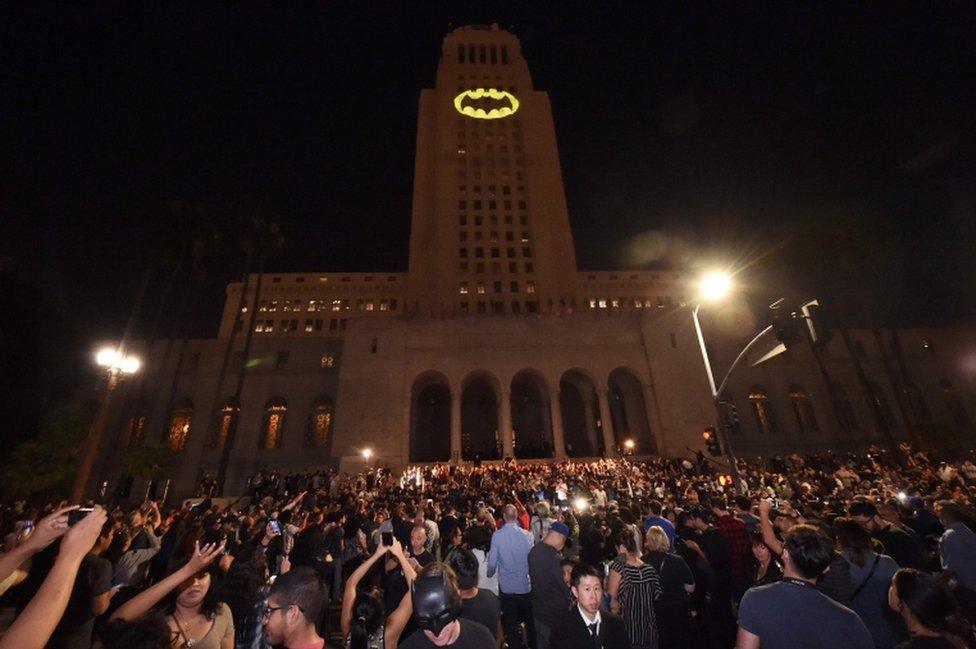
179 425
273 305
135 428
592 302
384 305
464 288
761 411
525 237
308 326
638 303
603 303
263 305
273 424
370 305
615 303
481 288
530 287
320 423
228 411
806 419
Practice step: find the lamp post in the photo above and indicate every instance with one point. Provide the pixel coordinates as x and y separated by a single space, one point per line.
713 287
117 365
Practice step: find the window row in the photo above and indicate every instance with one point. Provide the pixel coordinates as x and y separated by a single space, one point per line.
493 236
479 253
498 306
287 326
318 424
477 204
479 288
294 306
805 418
504 174
483 53
636 302
496 267
477 219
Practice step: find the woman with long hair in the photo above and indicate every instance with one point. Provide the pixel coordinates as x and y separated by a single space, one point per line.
928 609
479 542
190 603
633 587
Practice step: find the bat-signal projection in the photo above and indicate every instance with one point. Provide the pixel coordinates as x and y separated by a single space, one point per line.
486 103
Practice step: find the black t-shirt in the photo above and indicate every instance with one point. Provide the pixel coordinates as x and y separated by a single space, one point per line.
484 608
473 636
795 616
902 547
75 629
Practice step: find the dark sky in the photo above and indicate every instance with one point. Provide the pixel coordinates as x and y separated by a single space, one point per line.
687 131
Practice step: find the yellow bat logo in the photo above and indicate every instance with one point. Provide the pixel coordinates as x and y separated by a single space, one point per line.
486 103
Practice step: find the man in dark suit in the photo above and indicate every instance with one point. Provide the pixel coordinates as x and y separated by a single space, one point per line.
584 625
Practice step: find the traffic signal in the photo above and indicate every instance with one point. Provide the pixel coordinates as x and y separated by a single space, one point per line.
711 442
785 327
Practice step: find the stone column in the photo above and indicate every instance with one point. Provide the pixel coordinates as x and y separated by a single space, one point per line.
588 415
505 423
556 417
609 443
455 427
653 419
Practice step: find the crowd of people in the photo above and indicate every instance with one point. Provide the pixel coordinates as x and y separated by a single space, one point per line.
876 550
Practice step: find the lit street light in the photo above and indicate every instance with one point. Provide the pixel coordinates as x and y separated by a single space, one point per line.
629 446
367 453
713 287
116 365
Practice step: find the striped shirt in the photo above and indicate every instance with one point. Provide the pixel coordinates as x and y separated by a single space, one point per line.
640 586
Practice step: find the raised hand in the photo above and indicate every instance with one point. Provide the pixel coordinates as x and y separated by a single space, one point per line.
79 539
203 557
49 528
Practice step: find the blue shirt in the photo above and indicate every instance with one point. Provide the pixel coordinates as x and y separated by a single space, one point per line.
664 524
509 556
958 549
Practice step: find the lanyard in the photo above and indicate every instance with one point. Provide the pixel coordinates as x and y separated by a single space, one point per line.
798 582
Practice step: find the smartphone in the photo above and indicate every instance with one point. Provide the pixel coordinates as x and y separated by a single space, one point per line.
775 503
76 515
387 538
275 526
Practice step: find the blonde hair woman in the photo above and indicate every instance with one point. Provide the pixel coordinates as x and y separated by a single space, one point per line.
677 583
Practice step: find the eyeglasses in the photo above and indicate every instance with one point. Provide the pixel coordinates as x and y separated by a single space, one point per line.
268 610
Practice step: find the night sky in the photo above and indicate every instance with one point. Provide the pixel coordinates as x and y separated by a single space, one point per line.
687 132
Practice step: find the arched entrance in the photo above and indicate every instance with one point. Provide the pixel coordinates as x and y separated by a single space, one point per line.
430 418
479 418
629 412
531 422
580 411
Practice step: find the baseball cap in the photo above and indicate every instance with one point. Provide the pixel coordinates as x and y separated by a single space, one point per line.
560 528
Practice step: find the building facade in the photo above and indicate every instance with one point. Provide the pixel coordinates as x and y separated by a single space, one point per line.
494 344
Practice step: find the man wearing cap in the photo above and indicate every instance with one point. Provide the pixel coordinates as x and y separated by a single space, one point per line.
550 595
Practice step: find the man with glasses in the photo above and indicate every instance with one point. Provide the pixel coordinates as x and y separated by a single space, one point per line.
294 606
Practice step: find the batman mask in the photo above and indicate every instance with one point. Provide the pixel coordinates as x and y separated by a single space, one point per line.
435 603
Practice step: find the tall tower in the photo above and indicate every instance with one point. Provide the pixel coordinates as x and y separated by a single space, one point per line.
490 230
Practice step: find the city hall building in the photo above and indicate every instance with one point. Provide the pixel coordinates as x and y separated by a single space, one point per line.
494 343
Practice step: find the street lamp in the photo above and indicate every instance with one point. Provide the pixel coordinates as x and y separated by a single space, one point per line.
628 446
116 365
367 453
714 287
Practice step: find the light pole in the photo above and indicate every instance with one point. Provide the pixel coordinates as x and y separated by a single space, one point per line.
117 365
712 288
